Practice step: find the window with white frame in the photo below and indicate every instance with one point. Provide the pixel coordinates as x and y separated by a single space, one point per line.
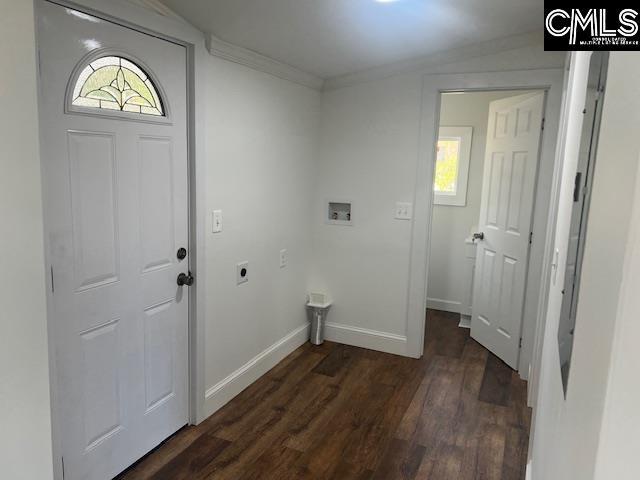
452 166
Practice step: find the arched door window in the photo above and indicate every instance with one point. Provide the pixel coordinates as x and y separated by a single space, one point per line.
116 84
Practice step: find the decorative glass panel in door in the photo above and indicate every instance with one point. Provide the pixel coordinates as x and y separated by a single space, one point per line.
115 83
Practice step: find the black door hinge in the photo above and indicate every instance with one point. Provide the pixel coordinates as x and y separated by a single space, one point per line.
530 238
520 344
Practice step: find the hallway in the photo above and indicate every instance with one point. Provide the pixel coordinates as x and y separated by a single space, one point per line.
341 412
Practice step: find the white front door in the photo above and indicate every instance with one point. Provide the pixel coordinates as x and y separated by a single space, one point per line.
506 209
114 155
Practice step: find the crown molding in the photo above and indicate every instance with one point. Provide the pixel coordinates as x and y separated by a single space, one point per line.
448 56
244 56
158 7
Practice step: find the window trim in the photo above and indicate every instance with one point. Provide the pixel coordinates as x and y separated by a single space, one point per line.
465 134
70 108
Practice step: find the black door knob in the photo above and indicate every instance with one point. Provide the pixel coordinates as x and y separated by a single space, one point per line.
478 236
184 279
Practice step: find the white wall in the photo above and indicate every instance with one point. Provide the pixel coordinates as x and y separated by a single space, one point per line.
619 440
620 146
451 225
368 147
567 431
368 153
25 443
261 146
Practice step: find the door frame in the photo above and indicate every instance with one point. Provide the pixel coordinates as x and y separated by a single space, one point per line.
549 80
173 29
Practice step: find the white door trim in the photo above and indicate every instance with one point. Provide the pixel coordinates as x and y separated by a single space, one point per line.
550 80
167 28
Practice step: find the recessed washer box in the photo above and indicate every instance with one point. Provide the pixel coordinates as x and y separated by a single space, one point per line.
339 212
242 272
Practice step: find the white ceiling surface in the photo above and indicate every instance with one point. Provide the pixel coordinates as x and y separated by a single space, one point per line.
329 38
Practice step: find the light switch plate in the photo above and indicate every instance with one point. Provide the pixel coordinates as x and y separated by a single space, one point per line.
242 272
216 221
283 258
404 211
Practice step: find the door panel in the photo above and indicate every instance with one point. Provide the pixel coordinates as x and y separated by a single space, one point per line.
156 202
116 207
493 206
506 211
158 351
101 386
514 203
94 210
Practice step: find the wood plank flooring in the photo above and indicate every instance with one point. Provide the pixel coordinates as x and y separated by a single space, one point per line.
337 412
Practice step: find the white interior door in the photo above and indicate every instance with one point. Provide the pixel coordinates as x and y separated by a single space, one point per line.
506 209
114 154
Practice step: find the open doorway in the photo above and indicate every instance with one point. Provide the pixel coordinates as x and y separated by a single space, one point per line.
484 190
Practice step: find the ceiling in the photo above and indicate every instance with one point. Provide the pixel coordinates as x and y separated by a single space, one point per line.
329 38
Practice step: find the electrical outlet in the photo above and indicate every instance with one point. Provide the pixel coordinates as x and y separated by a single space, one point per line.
404 211
242 272
216 221
283 258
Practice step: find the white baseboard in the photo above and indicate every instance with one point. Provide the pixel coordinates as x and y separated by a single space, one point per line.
529 473
223 391
465 321
365 338
445 305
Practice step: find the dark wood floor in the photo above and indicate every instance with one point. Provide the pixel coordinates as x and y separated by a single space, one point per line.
337 412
